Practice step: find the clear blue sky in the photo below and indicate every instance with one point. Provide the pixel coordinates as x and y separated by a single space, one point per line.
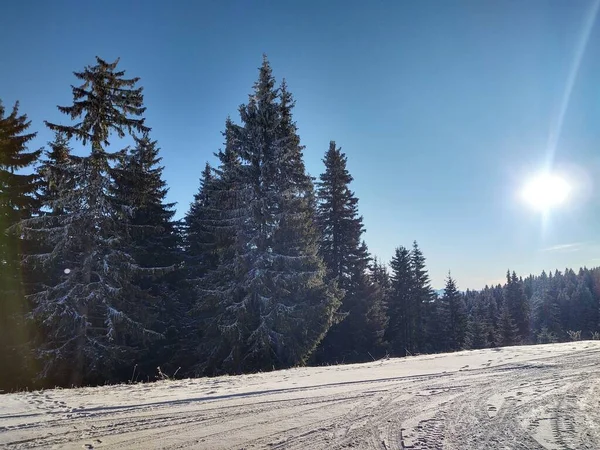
444 108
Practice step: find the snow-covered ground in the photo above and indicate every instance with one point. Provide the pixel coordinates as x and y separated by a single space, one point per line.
532 397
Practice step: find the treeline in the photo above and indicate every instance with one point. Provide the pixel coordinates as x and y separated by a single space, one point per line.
268 269
538 309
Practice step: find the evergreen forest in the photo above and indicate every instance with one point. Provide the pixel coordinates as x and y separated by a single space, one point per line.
266 269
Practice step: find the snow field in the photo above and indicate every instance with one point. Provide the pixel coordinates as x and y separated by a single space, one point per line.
527 397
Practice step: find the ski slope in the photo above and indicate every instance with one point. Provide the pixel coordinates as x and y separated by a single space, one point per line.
530 397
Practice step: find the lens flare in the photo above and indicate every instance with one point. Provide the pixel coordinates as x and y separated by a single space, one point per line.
546 191
582 43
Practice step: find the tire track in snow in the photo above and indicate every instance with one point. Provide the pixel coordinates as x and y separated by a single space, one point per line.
547 403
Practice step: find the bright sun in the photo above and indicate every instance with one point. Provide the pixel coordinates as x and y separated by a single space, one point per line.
546 191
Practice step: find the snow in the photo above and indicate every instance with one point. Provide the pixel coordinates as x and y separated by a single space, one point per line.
528 397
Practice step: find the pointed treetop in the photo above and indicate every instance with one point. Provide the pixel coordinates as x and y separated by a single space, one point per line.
105 102
334 157
287 104
59 147
207 172
287 99
13 139
265 91
228 156
451 288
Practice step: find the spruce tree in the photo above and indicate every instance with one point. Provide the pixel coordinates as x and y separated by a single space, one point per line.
480 328
380 276
359 334
454 316
397 332
492 315
212 249
421 295
514 296
199 238
546 312
271 304
507 329
585 309
568 310
201 256
56 174
18 201
284 284
92 322
340 225
139 191
376 321
381 279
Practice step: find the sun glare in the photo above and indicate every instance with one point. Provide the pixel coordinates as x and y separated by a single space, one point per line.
546 191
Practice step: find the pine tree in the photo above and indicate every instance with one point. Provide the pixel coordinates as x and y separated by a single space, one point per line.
376 316
514 297
434 327
210 222
341 226
212 248
139 189
92 323
201 258
199 237
272 306
586 309
381 279
17 202
492 315
56 174
399 302
454 316
546 312
380 276
359 334
507 329
152 242
480 328
421 295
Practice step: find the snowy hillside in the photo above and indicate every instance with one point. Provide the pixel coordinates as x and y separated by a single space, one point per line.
531 397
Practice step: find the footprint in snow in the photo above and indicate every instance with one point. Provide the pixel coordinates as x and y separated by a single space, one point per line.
492 411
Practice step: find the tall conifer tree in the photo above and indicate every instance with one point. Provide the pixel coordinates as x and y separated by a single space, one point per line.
421 295
271 304
360 332
454 317
514 296
91 321
18 201
152 241
399 302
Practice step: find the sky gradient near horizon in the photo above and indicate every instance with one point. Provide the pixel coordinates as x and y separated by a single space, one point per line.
444 108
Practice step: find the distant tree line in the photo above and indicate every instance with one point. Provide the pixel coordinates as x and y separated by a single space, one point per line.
267 270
